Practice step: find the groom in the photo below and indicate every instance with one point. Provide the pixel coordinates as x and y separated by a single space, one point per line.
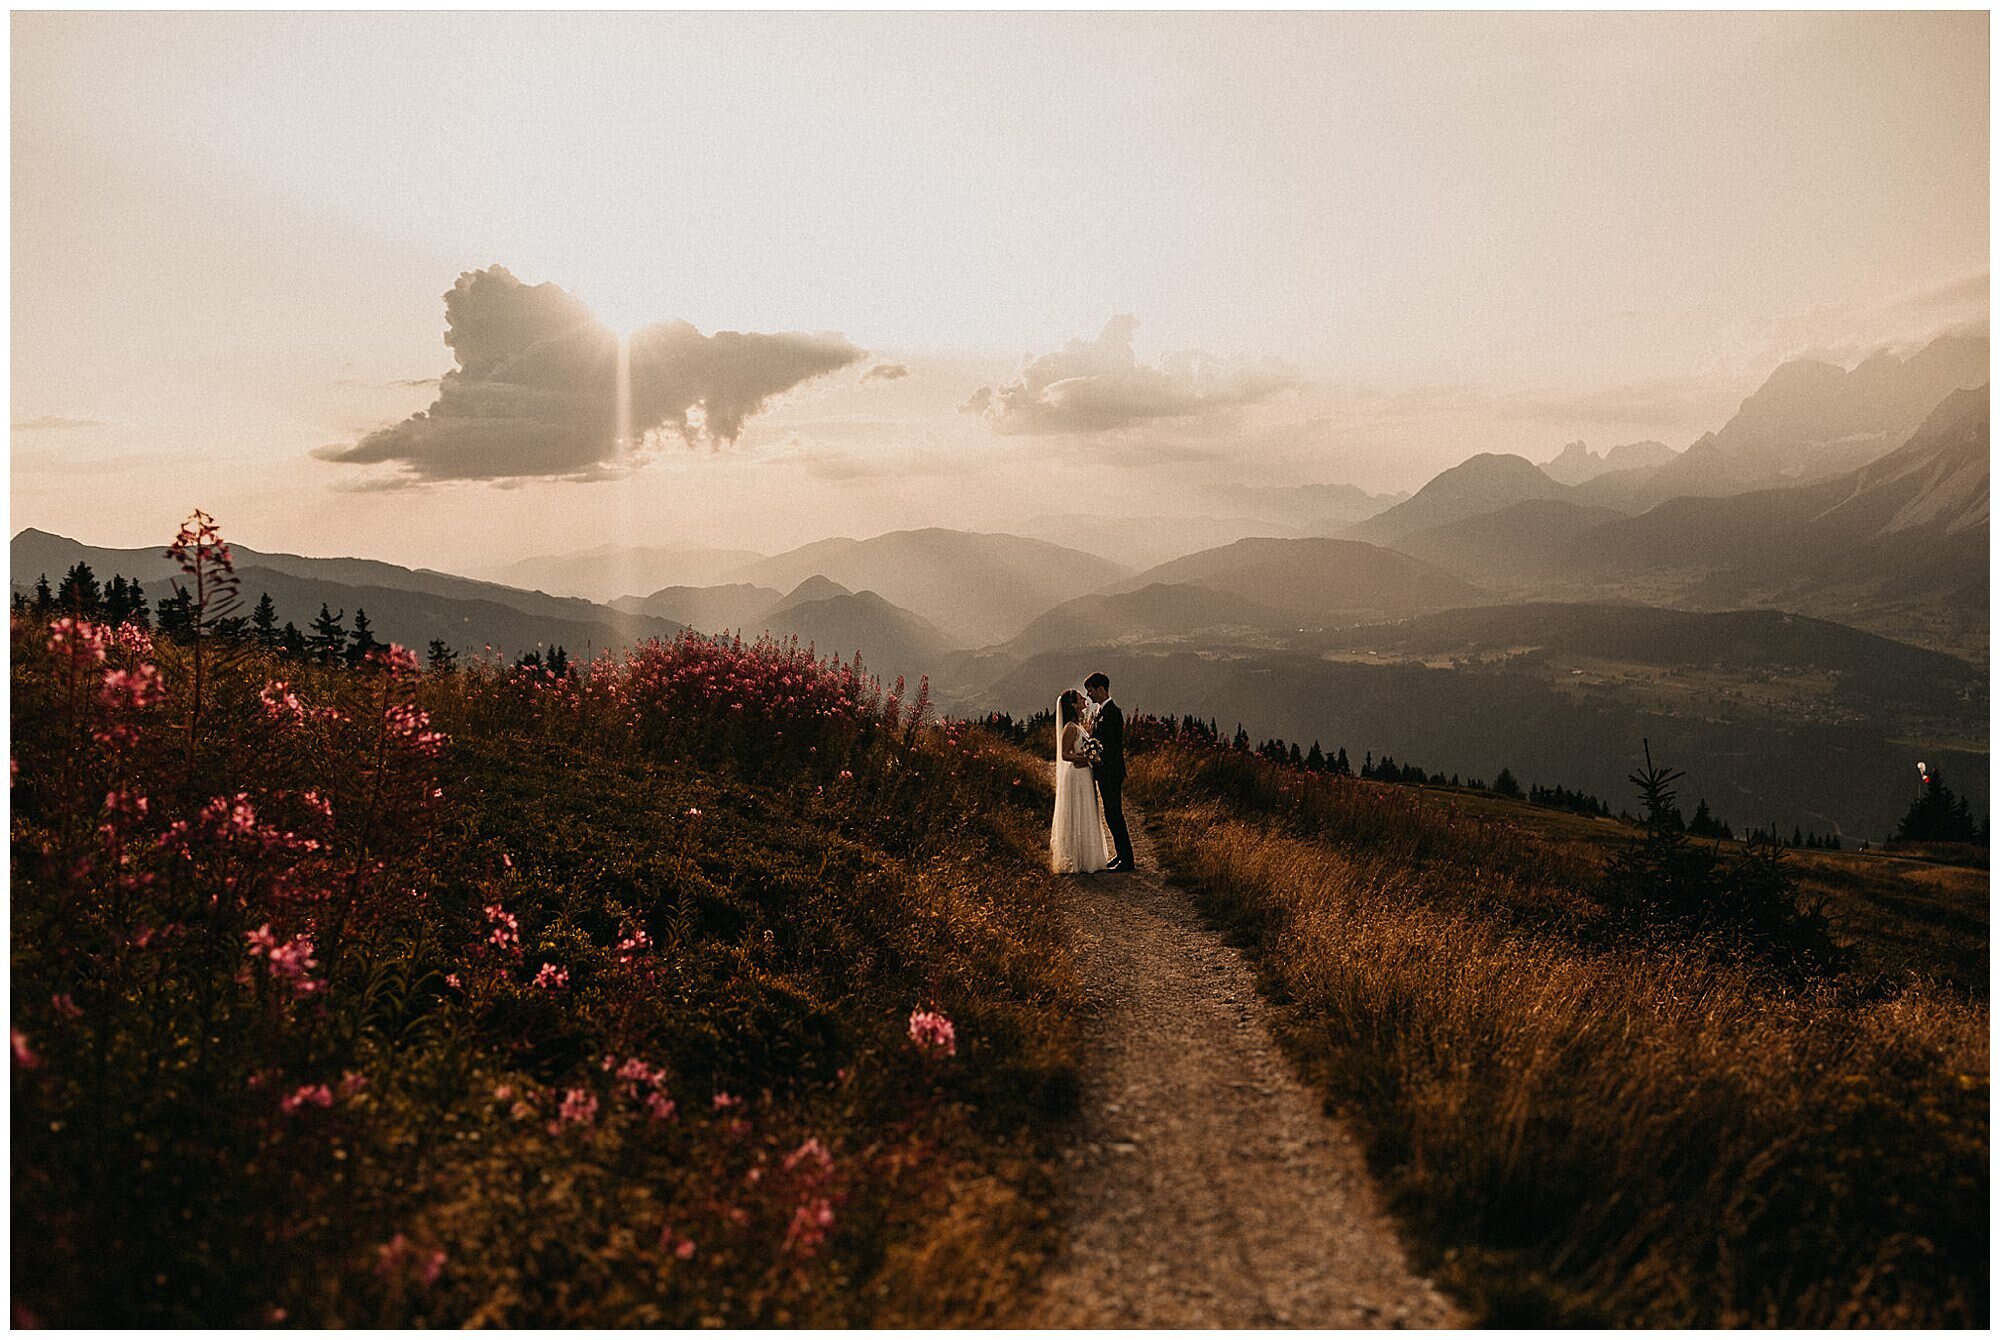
1110 770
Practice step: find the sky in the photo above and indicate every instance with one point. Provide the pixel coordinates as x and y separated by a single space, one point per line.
749 280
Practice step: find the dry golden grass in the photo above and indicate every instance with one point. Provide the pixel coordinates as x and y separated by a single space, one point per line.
1576 1134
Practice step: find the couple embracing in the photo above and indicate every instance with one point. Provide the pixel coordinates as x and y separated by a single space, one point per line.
1090 767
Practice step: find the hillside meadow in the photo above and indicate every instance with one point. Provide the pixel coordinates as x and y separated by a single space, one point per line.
1579 1125
719 984
711 985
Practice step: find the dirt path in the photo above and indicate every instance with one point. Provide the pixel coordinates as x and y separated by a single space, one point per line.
1208 1189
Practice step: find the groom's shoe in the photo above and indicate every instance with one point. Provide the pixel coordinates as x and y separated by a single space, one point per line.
1118 866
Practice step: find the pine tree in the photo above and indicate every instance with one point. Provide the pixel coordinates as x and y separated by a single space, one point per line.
559 662
292 642
442 657
1937 815
177 614
264 621
1316 758
364 638
79 594
1505 785
45 599
135 597
117 602
1665 882
328 636
1341 767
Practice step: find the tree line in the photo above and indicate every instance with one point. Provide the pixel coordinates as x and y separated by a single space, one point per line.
328 639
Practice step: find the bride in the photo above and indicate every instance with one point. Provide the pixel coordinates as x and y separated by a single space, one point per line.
1077 843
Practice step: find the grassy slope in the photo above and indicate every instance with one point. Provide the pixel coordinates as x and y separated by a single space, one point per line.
1582 1134
796 921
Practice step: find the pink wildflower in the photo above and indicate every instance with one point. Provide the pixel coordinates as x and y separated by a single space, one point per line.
306 1095
552 978
637 942
933 1034
132 690
811 1161
579 1108
410 727
80 640
397 660
24 1055
506 932
290 961
65 1006
810 1223
281 704
133 640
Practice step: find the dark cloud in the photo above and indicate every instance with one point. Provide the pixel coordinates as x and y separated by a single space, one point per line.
886 372
1091 386
47 423
535 392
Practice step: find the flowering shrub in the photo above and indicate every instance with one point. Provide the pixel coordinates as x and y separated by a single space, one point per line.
377 996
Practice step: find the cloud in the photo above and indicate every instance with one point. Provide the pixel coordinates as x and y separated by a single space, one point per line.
55 423
886 372
535 393
1093 386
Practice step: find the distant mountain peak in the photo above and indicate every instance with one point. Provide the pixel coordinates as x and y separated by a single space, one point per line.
816 587
1483 483
1576 463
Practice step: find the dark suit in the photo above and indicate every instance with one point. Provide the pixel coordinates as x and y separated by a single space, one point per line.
1110 774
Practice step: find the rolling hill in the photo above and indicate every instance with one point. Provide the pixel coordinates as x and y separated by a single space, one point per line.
709 608
610 571
1520 544
1143 541
1311 583
1484 483
978 588
407 605
892 641
1154 613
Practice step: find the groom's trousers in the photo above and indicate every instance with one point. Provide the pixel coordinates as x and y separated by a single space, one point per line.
1111 792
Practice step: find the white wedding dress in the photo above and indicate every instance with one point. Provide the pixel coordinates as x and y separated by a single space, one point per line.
1078 844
